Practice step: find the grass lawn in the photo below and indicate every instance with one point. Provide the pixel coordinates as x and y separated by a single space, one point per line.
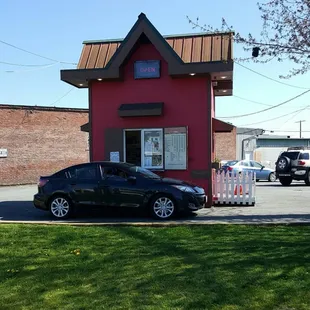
198 267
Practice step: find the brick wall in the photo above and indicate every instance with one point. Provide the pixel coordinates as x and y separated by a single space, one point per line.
225 145
40 142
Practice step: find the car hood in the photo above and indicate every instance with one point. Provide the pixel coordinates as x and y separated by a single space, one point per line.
171 181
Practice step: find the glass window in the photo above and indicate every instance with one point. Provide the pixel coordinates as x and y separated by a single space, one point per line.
61 174
114 173
304 156
152 149
256 165
144 172
290 155
245 164
84 172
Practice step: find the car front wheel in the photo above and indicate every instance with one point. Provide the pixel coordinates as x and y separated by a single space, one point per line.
286 181
272 177
60 207
163 207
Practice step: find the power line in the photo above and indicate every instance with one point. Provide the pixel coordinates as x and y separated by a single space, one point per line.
265 104
269 78
67 93
272 119
22 65
267 109
35 69
21 49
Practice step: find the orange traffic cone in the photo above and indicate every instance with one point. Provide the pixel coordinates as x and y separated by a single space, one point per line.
236 190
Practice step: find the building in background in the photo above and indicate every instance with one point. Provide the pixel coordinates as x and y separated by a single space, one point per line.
268 147
38 141
246 142
225 144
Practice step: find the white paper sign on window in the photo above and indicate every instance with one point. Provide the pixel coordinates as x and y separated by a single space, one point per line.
114 157
152 148
176 148
3 153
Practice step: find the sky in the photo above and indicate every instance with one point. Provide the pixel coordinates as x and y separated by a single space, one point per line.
56 30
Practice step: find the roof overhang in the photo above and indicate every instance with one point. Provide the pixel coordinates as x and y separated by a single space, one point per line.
220 126
220 69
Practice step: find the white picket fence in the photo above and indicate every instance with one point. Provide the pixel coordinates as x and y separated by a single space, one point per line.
234 188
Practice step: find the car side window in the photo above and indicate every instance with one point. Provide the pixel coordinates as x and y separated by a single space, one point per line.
256 165
114 173
85 172
304 156
244 163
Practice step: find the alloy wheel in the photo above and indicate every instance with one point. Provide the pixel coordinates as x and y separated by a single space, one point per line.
60 207
163 207
272 177
282 164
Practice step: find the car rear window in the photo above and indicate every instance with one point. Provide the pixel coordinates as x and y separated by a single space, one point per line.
304 156
290 155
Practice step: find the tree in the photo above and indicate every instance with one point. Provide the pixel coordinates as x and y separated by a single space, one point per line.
285 34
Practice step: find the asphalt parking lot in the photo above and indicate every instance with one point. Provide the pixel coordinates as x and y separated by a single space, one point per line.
274 204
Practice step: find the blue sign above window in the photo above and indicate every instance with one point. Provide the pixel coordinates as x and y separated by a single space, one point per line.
147 69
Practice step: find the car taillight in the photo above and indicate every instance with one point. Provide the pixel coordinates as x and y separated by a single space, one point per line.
301 162
42 182
229 168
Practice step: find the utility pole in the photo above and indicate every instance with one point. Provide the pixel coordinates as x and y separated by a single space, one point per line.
300 127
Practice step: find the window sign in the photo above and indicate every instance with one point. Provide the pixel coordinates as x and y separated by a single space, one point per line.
147 69
114 157
3 153
176 148
152 148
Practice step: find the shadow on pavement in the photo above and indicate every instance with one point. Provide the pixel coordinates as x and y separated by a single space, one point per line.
25 211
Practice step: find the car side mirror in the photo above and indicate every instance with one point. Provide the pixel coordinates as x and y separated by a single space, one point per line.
263 167
131 179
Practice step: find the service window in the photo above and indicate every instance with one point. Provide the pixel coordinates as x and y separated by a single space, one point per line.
157 148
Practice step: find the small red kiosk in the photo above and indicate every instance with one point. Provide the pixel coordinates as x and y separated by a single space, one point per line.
152 99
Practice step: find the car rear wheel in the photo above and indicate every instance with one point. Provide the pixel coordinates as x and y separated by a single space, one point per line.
286 181
163 207
307 180
272 177
60 207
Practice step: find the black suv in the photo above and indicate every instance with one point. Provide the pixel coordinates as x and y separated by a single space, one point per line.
294 164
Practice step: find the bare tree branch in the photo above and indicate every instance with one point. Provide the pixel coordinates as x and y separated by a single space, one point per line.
285 34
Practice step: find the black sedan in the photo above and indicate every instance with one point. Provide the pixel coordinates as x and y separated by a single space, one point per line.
111 184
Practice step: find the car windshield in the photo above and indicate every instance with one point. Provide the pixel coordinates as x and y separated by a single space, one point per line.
144 172
291 155
231 163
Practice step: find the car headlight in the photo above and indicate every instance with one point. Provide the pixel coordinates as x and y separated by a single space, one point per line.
184 188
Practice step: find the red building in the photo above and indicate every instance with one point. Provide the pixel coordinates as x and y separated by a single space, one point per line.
152 99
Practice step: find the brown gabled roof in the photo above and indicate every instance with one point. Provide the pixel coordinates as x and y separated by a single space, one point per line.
191 48
202 54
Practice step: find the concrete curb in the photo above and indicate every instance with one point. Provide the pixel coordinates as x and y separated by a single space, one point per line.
157 224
